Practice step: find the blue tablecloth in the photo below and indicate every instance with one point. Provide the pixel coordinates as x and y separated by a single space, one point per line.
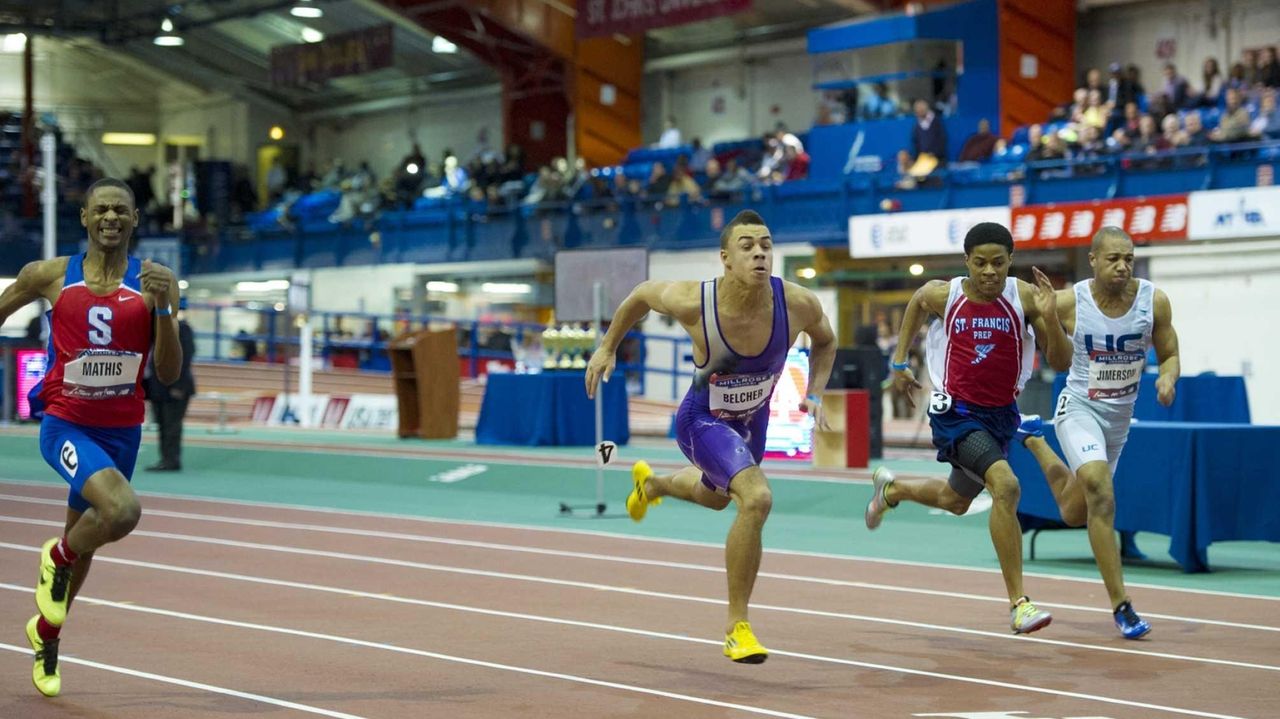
550 408
1199 398
1196 482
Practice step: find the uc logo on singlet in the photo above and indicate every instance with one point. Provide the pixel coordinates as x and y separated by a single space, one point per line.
1112 343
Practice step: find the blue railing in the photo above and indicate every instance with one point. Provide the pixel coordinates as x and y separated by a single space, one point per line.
813 210
277 341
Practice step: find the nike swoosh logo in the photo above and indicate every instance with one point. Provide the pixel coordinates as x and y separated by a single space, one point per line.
125 298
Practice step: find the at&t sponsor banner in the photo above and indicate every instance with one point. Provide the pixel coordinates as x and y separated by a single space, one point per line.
357 411
1235 214
1146 219
938 232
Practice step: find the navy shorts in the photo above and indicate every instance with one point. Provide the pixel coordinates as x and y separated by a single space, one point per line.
962 419
720 448
77 452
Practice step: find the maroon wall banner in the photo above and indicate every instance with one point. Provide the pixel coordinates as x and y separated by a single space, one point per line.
350 53
627 17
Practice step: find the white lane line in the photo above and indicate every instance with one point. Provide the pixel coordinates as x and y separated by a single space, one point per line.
646 562
714 569
627 630
627 538
407 650
186 683
1004 636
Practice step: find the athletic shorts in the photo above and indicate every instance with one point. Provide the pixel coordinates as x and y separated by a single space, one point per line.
953 420
77 452
1091 431
720 448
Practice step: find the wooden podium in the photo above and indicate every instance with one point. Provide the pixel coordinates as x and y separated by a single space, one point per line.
424 368
846 444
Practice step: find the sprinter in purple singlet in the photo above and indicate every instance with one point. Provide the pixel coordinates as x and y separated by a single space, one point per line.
742 325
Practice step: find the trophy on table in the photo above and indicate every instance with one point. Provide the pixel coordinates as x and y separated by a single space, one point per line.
567 347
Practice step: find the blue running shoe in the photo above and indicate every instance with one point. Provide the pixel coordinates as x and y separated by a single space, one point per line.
1131 625
1030 426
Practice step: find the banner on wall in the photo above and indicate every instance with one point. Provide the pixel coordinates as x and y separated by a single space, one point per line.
628 17
938 232
1235 214
1072 224
348 53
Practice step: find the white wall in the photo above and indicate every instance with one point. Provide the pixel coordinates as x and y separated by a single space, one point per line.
359 289
1215 290
383 139
1201 28
760 91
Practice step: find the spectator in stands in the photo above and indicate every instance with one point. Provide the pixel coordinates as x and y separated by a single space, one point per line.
1158 108
1091 144
1249 61
1095 113
659 181
670 134
1238 79
1233 126
415 157
544 189
1268 68
701 155
796 163
1093 81
1266 126
1134 74
682 183
1035 143
453 181
1171 134
1176 88
879 105
1211 90
732 182
1194 130
1120 89
1148 137
786 137
928 136
849 100
980 145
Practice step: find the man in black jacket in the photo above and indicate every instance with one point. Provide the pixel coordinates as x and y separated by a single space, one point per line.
169 403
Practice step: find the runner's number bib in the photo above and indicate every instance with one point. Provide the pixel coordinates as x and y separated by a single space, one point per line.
1115 374
101 374
738 396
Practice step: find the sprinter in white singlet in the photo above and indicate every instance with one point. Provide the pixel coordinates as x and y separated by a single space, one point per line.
1113 319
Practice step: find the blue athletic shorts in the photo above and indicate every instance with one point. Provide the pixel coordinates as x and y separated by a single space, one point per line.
78 452
961 419
720 448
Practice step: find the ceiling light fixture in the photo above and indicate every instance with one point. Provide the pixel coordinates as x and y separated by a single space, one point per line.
311 35
13 42
442 46
307 9
167 38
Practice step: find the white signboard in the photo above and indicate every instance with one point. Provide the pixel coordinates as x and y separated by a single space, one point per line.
902 234
1235 214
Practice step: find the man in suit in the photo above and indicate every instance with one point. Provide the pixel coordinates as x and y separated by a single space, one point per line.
928 136
169 402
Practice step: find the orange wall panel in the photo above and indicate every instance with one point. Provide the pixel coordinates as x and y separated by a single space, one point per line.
1046 29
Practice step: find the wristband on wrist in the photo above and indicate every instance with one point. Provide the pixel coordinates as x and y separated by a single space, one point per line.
164 311
816 399
900 366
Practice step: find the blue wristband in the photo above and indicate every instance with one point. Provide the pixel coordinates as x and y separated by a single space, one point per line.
816 399
900 366
164 311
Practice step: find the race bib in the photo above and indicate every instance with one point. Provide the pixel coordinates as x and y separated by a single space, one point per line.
940 402
101 374
738 396
1115 374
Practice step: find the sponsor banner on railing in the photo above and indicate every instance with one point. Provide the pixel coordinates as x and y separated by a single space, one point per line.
626 17
356 411
937 232
1234 214
1071 224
